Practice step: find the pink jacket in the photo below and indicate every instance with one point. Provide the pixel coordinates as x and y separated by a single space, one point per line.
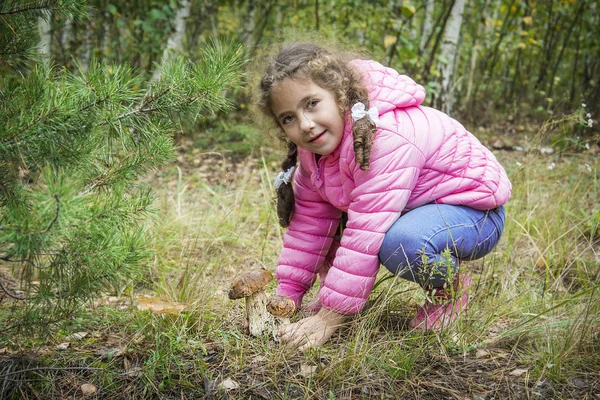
419 156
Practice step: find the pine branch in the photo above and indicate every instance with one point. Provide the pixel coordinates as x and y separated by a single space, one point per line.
26 9
8 292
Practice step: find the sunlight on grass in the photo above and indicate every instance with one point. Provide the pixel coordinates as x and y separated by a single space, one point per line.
534 307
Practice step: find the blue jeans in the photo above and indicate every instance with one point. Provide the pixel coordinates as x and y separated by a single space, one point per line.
412 248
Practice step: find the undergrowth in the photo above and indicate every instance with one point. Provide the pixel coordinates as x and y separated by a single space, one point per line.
531 331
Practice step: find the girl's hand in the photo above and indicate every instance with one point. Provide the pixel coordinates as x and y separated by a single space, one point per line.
312 331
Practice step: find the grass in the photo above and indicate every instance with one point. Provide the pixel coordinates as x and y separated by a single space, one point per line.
532 329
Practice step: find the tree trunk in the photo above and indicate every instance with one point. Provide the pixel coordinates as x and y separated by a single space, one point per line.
445 16
175 41
570 30
65 40
475 53
427 25
45 38
449 53
86 46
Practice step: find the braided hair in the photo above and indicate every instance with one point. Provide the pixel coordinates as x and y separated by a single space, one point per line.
329 71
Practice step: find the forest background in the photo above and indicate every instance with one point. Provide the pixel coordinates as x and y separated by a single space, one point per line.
135 184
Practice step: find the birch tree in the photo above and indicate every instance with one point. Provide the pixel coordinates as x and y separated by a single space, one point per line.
449 56
175 41
427 25
45 38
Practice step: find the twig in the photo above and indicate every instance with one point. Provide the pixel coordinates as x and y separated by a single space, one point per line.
55 216
26 9
5 290
51 369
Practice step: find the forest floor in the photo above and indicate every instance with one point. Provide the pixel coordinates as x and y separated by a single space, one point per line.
532 331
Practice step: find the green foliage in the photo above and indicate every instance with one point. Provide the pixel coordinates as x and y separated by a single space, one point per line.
18 24
73 148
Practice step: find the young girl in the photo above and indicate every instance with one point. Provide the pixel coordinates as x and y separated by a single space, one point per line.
411 188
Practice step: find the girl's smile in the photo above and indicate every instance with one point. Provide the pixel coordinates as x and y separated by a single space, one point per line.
308 114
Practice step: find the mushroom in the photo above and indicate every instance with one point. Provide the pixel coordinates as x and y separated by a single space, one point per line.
251 286
281 308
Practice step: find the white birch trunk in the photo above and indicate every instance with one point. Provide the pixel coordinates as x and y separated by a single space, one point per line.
427 24
86 53
449 53
250 25
175 41
45 38
65 38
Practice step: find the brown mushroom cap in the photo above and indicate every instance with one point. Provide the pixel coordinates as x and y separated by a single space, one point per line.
250 283
281 306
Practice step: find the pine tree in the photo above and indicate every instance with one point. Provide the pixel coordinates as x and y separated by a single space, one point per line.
73 147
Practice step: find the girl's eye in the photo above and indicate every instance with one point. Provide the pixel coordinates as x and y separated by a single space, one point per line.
313 103
287 119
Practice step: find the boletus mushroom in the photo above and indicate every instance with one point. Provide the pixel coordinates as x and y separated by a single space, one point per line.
251 286
281 308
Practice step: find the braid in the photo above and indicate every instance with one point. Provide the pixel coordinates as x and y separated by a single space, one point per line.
285 192
334 73
363 130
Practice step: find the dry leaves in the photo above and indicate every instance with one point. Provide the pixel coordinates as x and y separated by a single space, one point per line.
88 389
159 305
518 372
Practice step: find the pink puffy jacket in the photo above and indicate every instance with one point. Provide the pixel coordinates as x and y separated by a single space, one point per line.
419 156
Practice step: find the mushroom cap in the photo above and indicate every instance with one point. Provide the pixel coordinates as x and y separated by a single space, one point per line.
281 306
250 283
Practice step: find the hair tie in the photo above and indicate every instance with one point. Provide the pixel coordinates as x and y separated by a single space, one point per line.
284 177
358 112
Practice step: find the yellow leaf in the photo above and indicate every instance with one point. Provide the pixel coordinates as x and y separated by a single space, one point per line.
521 45
499 22
513 9
388 40
408 10
160 306
528 20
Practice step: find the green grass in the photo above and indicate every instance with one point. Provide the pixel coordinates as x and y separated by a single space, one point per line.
535 307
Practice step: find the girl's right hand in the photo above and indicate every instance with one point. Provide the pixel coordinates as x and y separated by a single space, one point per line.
312 331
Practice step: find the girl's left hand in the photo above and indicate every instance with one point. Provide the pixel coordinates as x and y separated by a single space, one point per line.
312 331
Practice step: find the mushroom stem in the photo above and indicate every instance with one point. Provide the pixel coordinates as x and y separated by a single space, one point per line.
258 319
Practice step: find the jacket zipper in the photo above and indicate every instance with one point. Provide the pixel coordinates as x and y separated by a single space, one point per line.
318 179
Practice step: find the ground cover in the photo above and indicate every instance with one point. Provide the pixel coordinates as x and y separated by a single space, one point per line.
532 331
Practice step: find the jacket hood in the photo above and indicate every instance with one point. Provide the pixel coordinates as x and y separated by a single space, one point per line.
387 88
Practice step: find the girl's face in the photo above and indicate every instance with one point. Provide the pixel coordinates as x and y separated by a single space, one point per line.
308 114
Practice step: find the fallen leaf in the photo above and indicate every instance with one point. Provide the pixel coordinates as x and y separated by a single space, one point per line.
111 352
63 346
229 384
258 360
88 389
541 262
160 306
307 370
481 353
76 336
518 372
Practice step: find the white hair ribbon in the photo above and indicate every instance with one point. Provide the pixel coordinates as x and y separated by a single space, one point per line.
358 112
284 177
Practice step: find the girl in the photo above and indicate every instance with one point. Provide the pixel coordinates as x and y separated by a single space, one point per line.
405 182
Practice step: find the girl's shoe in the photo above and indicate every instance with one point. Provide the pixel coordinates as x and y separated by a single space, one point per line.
443 305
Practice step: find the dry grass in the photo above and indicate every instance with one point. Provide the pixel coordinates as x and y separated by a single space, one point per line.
532 330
